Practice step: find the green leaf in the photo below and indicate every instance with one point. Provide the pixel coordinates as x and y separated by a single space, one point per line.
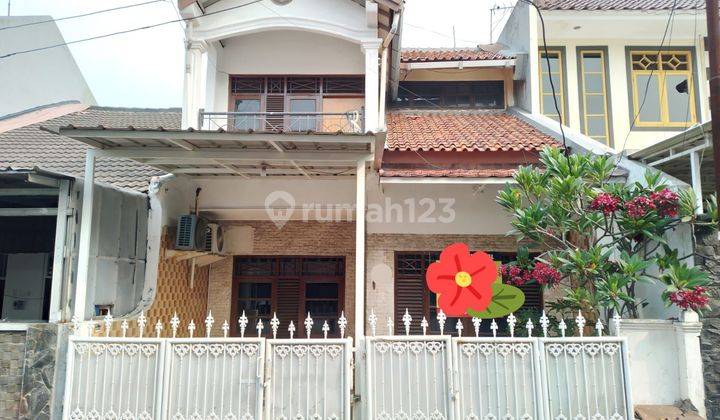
506 299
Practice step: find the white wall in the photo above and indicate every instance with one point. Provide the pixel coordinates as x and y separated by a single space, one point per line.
616 32
32 80
285 52
521 39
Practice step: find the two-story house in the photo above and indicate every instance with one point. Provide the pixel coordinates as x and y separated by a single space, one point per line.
626 73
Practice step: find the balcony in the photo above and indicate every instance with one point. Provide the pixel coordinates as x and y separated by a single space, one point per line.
283 122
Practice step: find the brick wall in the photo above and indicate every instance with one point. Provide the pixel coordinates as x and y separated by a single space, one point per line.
12 357
380 261
295 238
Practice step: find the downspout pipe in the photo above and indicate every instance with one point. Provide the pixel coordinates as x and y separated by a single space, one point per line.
384 67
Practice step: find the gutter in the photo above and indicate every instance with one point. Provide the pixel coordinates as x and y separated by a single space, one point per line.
380 148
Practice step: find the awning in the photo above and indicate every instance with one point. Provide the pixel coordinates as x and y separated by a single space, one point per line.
214 154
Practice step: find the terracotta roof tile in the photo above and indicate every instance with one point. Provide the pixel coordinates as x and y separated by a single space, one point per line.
448 173
463 131
420 55
35 146
620 4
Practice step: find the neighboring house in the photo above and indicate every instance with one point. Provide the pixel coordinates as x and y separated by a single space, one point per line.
41 194
604 56
36 80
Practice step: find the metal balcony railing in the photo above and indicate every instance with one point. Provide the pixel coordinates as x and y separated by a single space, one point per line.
276 122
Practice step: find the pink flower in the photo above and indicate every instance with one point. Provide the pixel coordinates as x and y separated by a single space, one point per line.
639 206
693 299
514 275
545 275
666 202
605 202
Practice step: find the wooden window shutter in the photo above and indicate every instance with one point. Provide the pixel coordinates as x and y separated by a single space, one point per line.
288 306
275 103
410 294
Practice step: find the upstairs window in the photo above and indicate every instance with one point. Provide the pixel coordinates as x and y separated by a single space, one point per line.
594 108
461 95
668 79
552 67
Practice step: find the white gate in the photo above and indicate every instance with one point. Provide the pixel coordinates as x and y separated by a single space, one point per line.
214 378
309 379
113 379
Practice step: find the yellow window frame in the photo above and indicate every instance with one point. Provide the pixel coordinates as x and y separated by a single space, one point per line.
559 90
604 139
661 75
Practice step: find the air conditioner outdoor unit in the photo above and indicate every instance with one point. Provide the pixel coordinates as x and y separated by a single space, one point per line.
190 234
215 238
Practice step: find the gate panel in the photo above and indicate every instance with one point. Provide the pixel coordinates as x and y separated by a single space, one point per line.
585 378
496 378
409 377
214 378
309 379
112 380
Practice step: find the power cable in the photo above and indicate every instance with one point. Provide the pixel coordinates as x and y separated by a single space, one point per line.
127 31
97 12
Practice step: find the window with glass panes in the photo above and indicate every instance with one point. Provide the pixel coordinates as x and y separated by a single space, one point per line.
289 287
552 66
667 79
594 95
411 293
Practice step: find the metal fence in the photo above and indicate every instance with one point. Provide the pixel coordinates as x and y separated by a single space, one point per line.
277 122
400 377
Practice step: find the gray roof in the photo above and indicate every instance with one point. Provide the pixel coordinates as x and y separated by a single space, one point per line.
38 146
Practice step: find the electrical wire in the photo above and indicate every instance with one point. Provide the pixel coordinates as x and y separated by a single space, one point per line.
126 31
97 12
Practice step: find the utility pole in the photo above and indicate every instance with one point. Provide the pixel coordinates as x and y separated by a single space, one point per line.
713 25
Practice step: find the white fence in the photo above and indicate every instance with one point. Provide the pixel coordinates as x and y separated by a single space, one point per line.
400 377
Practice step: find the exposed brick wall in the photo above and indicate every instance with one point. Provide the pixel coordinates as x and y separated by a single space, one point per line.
174 294
295 238
12 357
380 261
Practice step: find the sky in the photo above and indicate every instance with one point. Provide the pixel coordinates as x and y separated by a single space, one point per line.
145 68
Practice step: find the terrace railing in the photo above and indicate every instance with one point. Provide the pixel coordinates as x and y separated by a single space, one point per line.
399 376
279 122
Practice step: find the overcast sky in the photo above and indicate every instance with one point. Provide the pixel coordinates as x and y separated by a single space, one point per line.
144 68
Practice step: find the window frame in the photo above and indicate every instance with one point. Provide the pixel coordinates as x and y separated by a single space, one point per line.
274 278
426 304
446 92
562 94
633 92
609 141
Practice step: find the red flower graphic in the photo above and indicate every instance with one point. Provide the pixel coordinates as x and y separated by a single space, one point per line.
462 280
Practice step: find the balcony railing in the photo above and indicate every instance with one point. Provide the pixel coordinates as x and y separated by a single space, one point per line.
277 122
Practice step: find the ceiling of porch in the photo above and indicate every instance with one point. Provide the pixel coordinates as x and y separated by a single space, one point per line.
216 154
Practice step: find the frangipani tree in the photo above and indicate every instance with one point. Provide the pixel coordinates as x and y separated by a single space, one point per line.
601 237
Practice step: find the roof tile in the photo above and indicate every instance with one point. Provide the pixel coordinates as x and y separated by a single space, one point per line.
449 173
35 146
462 131
420 55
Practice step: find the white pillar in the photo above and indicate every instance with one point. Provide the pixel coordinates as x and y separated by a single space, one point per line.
193 98
692 384
372 84
360 251
58 271
85 237
696 178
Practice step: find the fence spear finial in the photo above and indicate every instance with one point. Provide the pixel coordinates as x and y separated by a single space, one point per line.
580 321
209 321
476 325
259 327
342 323
141 322
372 320
407 319
325 329
459 327
124 325
291 329
529 326
274 325
174 324
191 328
308 325
599 327
544 323
562 326
107 320
494 327
424 324
243 321
616 321
511 321
225 328
441 317
158 328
